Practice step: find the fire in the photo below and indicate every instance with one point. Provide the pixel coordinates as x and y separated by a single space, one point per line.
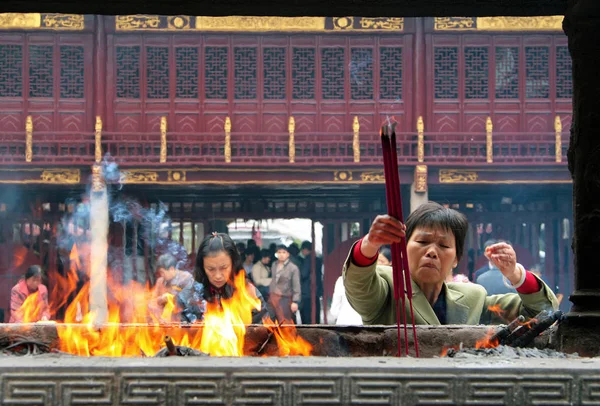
288 342
497 310
64 286
222 332
487 341
32 308
225 325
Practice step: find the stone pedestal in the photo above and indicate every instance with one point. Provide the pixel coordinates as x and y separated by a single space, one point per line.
581 330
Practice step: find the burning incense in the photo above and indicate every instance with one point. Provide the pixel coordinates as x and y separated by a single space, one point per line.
400 270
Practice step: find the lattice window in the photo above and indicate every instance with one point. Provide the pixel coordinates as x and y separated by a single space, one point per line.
245 73
390 73
274 73
215 67
537 72
41 71
72 72
564 75
332 73
11 71
128 72
186 72
446 72
476 72
507 72
303 73
361 73
157 72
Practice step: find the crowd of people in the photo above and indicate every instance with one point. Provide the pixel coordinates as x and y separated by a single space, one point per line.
281 277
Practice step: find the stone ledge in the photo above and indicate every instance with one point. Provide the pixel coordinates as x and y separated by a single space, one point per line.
58 380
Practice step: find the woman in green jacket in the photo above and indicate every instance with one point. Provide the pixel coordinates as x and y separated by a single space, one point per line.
435 238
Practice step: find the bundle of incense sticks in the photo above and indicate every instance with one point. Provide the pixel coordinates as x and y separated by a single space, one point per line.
400 270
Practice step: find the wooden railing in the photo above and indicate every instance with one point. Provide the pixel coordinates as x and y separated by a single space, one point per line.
273 149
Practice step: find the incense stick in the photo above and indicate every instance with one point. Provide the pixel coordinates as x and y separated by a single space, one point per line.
400 270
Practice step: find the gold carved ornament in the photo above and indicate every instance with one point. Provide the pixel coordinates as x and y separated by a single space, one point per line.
356 139
28 139
138 176
227 149
137 22
63 21
489 146
420 140
292 142
457 176
163 139
558 132
421 178
60 176
382 23
453 23
376 176
98 140
545 23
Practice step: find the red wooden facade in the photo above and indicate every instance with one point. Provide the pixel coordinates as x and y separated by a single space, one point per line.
198 81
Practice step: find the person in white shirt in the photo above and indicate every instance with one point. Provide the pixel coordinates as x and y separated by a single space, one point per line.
341 313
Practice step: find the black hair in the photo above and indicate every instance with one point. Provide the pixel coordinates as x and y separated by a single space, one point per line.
386 252
282 247
212 245
434 215
306 245
166 262
264 253
33 270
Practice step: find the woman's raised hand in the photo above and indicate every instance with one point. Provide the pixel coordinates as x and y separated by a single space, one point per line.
384 230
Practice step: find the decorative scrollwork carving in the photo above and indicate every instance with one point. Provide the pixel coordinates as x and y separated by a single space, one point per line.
356 139
453 23
60 176
138 176
376 176
292 141
457 176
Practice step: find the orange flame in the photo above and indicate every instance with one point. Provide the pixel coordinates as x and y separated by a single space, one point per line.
64 286
221 334
288 341
487 341
32 309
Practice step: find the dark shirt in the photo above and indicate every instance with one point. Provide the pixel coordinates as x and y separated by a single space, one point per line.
439 307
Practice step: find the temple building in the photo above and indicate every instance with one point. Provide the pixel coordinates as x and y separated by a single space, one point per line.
224 118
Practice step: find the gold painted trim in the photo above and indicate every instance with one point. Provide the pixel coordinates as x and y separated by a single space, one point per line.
227 148
51 21
453 23
489 146
546 23
342 176
28 139
420 178
558 132
98 140
136 22
260 24
372 177
138 176
420 140
59 176
292 141
163 139
177 176
457 176
356 139
98 181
